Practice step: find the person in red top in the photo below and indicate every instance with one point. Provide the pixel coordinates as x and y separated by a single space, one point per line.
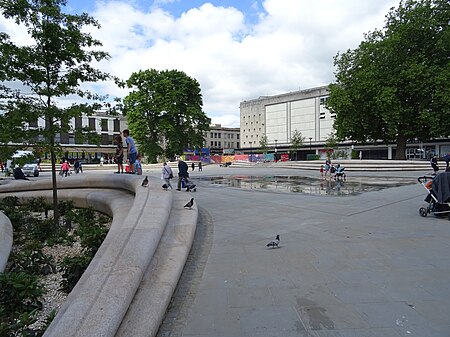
65 167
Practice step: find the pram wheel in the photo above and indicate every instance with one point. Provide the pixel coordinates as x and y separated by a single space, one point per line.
423 211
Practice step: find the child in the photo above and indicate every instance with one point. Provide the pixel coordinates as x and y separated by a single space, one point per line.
138 165
321 171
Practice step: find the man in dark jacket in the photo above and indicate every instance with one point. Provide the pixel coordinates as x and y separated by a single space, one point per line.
18 173
182 172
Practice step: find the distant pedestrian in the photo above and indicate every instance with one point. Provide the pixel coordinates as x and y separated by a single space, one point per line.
38 161
18 174
102 160
200 167
78 166
446 158
182 172
65 168
321 171
131 149
119 153
327 166
193 166
167 174
434 164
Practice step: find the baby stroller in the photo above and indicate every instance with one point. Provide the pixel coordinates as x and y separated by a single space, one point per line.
188 185
438 197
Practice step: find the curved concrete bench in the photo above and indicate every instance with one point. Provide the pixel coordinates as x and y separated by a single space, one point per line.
6 240
126 263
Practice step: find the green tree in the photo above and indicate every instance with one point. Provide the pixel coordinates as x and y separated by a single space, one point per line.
164 112
394 86
264 144
297 140
53 66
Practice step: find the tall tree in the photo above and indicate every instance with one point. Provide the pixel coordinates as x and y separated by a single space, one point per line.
264 143
394 86
35 77
164 112
297 140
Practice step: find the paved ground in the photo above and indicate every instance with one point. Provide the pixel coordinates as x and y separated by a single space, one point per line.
363 266
358 266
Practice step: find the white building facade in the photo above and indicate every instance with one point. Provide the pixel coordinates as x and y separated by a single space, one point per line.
277 117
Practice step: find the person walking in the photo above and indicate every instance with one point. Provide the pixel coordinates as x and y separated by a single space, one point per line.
193 166
131 149
119 153
78 166
65 168
200 167
182 172
434 164
167 174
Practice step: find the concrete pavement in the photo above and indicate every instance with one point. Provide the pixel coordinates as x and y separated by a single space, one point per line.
354 266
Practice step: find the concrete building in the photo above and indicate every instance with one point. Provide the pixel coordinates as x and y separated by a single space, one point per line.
222 140
279 116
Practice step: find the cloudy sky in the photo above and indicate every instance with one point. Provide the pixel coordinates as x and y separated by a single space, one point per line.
237 50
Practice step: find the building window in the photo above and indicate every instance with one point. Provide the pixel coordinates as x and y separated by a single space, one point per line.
323 100
116 125
105 139
220 145
212 135
104 124
212 143
220 135
92 124
33 124
322 115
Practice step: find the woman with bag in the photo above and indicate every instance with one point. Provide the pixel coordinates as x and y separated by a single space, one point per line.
166 175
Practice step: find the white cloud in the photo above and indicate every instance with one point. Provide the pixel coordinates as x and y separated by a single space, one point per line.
291 46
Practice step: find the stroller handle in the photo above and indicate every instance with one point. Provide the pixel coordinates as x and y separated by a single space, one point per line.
424 178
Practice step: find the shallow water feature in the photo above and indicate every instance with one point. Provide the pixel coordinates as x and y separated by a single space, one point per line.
307 185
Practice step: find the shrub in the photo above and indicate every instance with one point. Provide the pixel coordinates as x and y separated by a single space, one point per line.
19 293
32 260
72 269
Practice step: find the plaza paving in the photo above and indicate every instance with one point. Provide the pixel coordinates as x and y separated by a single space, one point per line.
353 266
360 266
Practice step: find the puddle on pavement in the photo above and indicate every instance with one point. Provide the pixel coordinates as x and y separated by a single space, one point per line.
307 185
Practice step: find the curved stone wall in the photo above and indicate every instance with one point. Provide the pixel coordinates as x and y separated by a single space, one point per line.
126 262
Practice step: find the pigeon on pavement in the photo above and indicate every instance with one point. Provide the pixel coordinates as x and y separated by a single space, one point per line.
145 182
274 243
189 204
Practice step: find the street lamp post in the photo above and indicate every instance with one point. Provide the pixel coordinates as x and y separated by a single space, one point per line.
310 138
276 143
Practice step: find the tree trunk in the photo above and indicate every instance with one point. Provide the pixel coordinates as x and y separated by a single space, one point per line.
400 153
54 186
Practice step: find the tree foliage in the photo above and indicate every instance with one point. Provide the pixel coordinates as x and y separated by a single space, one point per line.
394 86
297 140
264 143
36 76
164 112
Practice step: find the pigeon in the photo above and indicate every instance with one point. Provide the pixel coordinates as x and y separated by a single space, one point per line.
189 204
145 182
274 243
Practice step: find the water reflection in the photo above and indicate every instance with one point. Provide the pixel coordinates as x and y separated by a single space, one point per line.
297 184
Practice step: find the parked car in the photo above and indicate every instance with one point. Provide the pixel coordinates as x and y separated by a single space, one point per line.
31 169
